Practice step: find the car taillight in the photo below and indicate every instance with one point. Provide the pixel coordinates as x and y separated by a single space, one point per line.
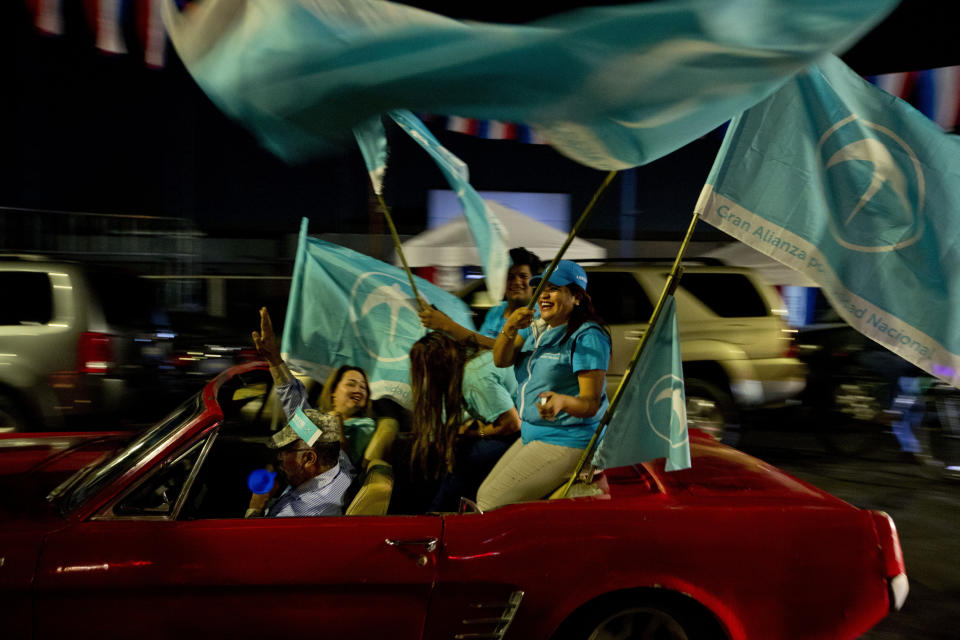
791 351
893 565
94 353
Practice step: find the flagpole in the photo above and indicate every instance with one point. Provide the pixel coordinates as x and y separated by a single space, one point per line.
570 236
396 245
673 279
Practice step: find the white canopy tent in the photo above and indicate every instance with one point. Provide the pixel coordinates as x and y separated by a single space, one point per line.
452 245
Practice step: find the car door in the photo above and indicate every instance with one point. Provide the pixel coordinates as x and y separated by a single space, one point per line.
132 570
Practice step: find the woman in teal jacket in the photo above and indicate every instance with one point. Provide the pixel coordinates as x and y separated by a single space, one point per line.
561 371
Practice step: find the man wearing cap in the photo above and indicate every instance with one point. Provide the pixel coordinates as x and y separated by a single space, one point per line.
318 473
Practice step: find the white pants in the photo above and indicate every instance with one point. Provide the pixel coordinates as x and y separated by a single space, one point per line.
527 472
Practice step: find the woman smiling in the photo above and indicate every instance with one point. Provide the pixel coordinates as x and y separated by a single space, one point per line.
561 369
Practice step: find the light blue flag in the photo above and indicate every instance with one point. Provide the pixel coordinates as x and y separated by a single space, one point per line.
611 87
859 191
348 308
488 232
650 420
372 140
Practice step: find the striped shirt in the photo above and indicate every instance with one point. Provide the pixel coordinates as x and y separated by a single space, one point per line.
322 495
292 396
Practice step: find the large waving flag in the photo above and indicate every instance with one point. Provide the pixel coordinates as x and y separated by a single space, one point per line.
859 191
651 417
348 308
488 232
611 87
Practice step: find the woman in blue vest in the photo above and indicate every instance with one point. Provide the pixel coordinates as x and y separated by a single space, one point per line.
561 371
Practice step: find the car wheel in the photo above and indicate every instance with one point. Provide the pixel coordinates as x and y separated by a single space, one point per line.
11 417
711 410
855 422
656 619
860 397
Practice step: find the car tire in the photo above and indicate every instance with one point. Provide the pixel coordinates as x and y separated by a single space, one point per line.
634 617
12 418
855 422
711 409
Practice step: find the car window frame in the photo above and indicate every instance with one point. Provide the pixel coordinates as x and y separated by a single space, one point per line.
111 469
205 441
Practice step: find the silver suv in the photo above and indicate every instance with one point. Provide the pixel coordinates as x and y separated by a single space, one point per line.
737 350
74 341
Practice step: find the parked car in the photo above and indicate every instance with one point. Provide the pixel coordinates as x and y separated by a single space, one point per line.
737 350
108 536
76 341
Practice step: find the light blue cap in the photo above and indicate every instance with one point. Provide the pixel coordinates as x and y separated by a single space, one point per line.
567 272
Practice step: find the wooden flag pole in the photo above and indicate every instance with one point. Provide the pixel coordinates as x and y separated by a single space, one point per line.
673 279
396 245
570 236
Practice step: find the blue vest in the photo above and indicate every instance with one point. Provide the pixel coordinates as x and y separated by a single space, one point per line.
547 365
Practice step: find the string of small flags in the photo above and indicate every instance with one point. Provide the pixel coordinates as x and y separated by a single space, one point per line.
108 19
934 92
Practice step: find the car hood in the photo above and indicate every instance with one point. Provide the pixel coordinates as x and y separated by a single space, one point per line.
33 465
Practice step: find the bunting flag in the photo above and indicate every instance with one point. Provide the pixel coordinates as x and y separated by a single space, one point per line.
152 34
488 129
934 92
610 87
106 16
860 192
651 417
348 308
109 20
47 15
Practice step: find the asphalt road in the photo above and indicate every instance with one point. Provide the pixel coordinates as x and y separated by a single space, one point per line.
924 504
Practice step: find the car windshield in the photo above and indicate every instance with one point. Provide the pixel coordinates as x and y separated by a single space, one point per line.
112 468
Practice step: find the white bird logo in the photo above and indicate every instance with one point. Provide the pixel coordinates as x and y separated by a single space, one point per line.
668 388
886 171
390 347
392 296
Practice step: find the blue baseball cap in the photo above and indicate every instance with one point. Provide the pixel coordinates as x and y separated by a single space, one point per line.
567 272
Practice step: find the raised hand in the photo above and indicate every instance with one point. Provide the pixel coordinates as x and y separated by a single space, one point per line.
265 340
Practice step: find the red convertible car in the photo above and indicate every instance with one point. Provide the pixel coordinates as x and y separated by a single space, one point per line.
113 535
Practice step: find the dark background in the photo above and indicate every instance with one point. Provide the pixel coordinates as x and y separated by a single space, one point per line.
84 131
